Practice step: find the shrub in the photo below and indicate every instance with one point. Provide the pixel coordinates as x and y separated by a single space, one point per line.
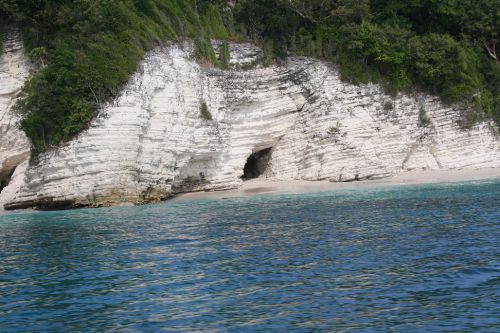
204 51
423 119
224 55
204 112
267 60
88 50
334 130
388 105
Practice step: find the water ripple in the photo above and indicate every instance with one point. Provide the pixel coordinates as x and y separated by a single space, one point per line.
421 258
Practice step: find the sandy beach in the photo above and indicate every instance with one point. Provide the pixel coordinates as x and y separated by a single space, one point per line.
263 186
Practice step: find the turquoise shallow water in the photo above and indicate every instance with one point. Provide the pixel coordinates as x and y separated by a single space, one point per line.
420 259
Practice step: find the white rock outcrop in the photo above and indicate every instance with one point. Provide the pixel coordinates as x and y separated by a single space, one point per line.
14 146
153 141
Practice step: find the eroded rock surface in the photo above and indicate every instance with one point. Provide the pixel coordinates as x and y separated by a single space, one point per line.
153 141
14 146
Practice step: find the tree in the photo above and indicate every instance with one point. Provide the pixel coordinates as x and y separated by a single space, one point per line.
312 10
481 20
351 11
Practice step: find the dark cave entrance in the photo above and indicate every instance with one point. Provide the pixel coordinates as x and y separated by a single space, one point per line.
5 178
256 164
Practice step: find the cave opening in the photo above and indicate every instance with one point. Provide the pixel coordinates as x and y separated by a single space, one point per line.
256 164
5 178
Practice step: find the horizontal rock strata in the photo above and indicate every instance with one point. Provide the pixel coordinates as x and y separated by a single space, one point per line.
180 127
14 146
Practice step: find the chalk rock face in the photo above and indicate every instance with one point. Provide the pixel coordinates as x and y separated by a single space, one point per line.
14 146
180 127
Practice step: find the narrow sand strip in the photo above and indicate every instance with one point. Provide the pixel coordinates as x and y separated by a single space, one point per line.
263 186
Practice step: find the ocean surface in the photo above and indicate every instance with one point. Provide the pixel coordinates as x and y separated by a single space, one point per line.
403 259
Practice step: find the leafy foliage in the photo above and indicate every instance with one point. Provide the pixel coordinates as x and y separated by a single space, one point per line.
87 49
224 55
204 112
388 105
423 118
441 46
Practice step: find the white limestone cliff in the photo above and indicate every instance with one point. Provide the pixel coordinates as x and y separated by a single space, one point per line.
153 142
14 146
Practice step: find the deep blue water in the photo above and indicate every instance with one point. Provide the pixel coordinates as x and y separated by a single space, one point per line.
406 259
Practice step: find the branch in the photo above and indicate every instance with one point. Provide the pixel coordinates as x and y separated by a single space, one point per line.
492 49
97 99
299 12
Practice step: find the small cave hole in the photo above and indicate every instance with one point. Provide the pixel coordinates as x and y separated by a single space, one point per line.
256 164
5 178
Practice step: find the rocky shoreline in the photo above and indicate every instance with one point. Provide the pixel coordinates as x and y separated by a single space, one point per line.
294 122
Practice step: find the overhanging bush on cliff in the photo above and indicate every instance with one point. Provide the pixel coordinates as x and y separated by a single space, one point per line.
439 46
91 47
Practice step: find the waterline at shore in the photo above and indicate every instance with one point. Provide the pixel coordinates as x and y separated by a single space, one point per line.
264 186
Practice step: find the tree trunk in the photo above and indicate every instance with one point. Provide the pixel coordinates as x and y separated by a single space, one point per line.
491 49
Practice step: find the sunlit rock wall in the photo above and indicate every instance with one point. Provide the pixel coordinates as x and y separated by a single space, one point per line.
153 141
14 146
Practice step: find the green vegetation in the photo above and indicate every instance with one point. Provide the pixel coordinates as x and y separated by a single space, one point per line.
87 49
445 47
388 105
423 118
204 112
224 55
204 52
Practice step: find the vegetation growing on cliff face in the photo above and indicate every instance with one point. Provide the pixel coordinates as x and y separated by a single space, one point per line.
448 47
87 49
